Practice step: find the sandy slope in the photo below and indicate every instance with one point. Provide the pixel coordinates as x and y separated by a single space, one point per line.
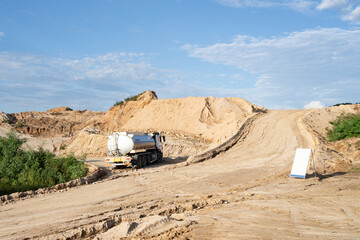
240 194
198 119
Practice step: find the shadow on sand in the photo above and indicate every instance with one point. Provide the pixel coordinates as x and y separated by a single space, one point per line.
110 171
166 161
324 176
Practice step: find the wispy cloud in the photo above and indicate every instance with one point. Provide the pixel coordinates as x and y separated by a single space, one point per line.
2 35
36 82
353 15
294 4
349 10
327 4
301 66
39 82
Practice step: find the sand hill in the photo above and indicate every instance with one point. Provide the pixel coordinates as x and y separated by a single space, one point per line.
208 120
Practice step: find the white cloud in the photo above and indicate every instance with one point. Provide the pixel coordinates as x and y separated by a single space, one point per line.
349 9
112 66
299 66
2 35
327 4
353 15
314 104
294 4
297 4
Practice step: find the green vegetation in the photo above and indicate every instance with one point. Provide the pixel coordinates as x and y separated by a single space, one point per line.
345 126
339 104
20 124
62 146
22 170
357 145
131 98
118 103
354 169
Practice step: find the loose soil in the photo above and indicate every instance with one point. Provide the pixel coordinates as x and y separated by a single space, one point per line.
244 192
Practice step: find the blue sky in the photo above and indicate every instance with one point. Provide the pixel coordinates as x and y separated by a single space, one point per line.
87 54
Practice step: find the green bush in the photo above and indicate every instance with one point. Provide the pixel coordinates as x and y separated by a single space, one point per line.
345 126
131 98
339 104
22 170
346 103
118 103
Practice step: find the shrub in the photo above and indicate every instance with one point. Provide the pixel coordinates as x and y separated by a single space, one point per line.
345 126
20 124
339 104
22 170
118 103
131 98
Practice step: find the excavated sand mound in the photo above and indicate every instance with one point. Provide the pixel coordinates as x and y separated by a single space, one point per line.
206 120
57 122
89 142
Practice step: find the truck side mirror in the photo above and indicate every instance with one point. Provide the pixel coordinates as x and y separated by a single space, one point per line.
163 138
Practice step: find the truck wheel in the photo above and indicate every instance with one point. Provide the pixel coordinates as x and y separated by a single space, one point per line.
160 157
148 159
145 160
139 162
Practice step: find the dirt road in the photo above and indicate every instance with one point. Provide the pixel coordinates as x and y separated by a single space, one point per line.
244 193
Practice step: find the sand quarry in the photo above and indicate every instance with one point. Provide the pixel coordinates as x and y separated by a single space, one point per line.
225 175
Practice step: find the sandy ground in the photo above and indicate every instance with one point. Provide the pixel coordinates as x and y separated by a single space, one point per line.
244 193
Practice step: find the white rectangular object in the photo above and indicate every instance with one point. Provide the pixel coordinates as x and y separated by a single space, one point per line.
301 163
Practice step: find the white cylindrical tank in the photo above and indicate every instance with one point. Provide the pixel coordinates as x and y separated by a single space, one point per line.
122 143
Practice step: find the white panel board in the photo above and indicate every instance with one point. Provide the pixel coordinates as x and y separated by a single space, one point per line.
301 163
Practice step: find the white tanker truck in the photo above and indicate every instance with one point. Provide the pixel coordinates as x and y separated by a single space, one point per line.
134 149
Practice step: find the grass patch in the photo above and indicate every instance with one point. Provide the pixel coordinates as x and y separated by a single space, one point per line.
345 126
20 124
339 104
22 170
118 103
346 103
131 98
354 169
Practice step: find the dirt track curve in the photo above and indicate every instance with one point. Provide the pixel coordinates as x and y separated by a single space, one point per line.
244 193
